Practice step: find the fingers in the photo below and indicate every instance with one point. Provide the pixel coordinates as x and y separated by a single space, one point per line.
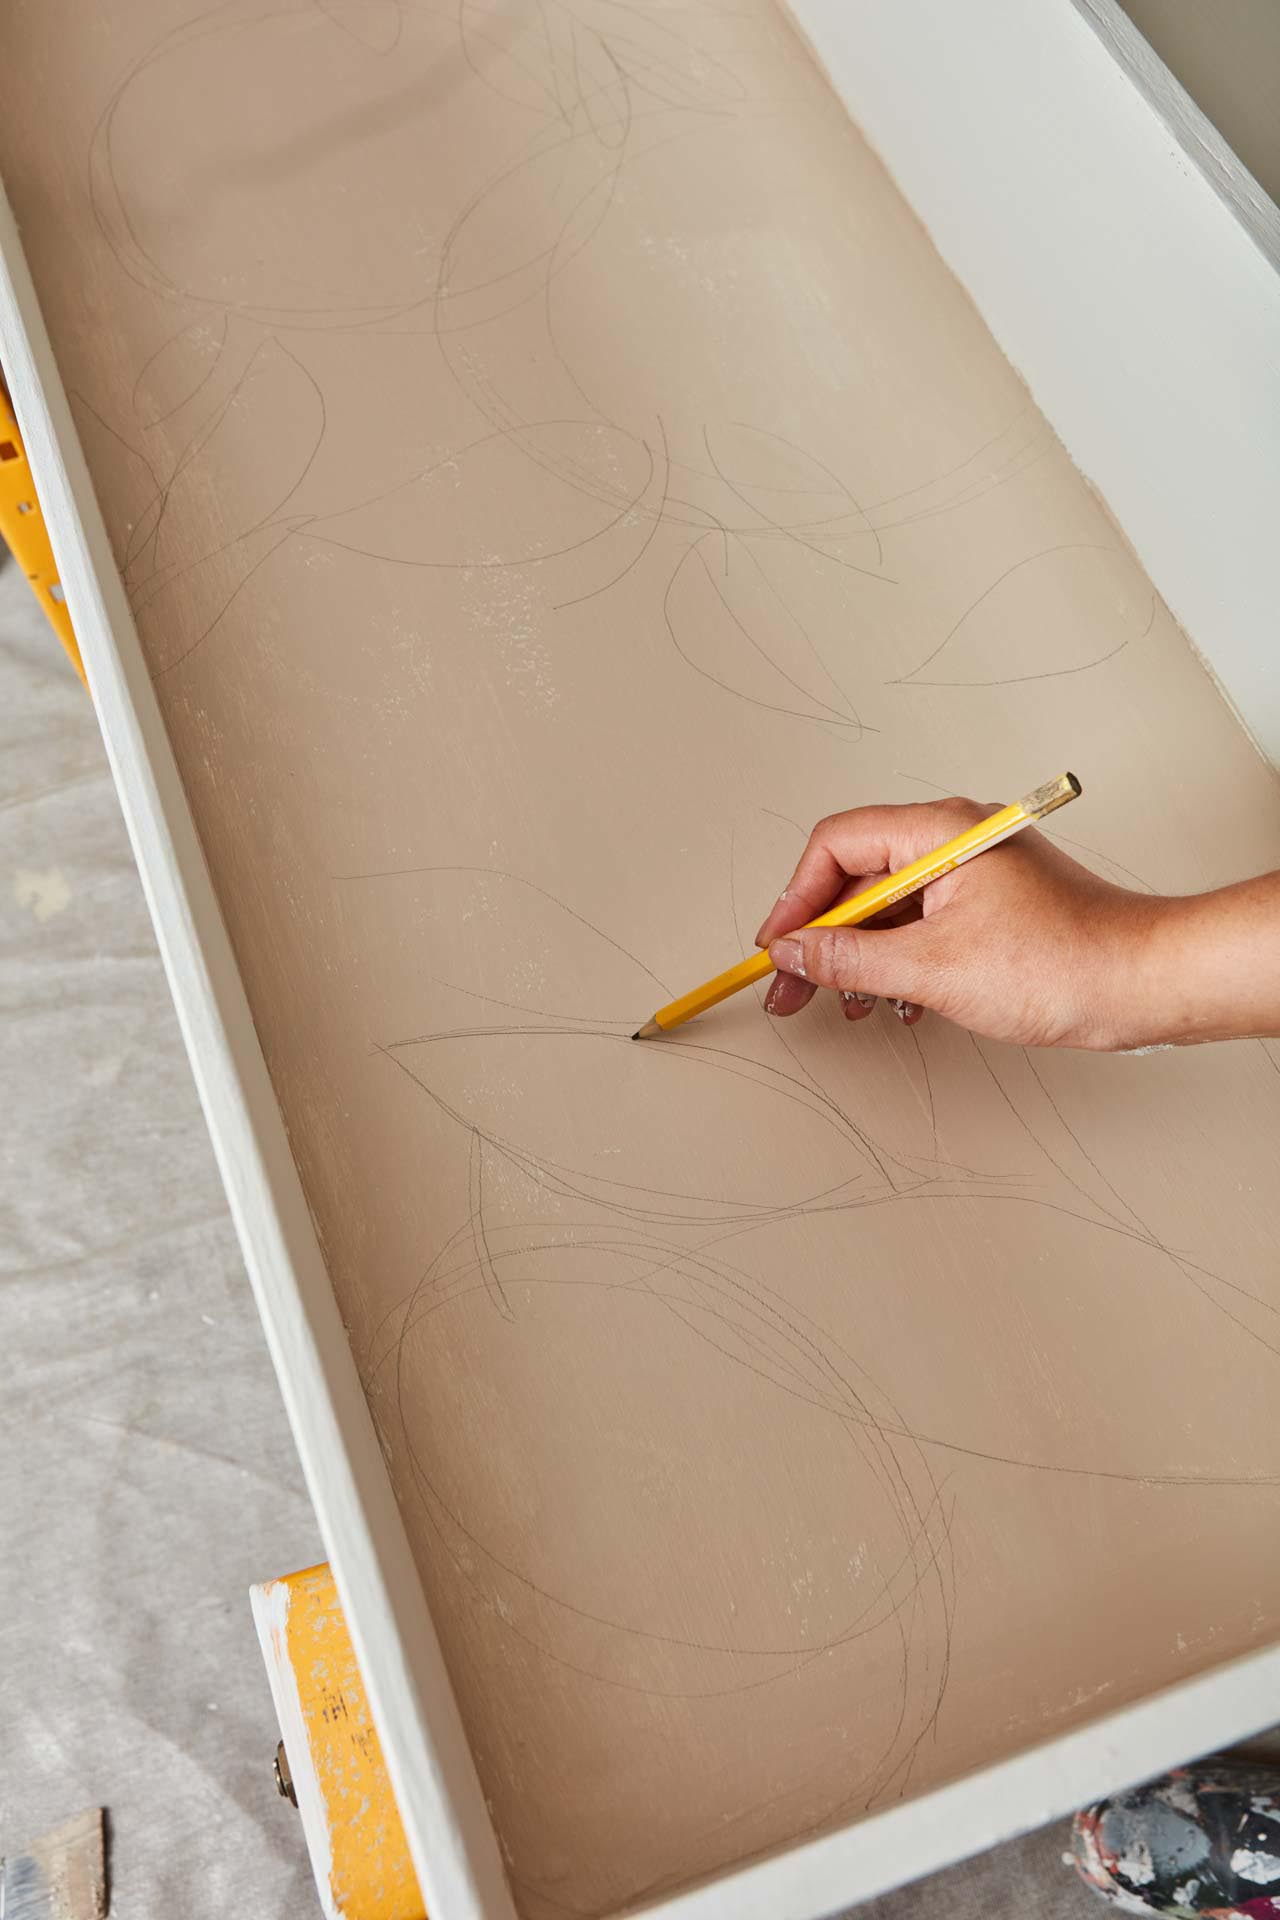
788 995
903 964
822 875
865 842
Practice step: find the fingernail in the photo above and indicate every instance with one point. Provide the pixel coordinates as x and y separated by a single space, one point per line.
903 1008
867 1000
788 956
771 998
768 917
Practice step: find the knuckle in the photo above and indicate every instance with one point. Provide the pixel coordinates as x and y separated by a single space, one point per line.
963 811
831 956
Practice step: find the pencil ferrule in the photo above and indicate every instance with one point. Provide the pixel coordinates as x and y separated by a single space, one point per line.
1054 793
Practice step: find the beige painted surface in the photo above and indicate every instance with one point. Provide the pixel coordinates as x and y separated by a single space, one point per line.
1226 53
551 466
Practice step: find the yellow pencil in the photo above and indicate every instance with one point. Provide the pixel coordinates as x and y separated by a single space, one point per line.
895 886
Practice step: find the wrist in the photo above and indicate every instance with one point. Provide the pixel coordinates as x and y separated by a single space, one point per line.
1131 972
1198 968
1164 996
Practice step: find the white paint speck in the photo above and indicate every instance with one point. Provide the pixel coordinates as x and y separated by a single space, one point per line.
1082 1695
45 893
1137 1866
1261 1868
506 605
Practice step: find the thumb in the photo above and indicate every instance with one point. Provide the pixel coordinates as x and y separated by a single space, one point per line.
902 963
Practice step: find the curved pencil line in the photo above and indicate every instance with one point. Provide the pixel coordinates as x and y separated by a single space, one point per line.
501 873
1065 546
656 521
786 533
830 718
804 454
159 419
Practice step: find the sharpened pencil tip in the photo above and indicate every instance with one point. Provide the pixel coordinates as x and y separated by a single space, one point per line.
649 1031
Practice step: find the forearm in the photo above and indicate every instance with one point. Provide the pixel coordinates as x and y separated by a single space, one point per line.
1206 968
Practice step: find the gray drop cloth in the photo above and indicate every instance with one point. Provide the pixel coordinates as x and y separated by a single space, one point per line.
147 1476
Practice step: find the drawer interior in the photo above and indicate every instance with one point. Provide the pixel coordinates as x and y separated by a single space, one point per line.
551 467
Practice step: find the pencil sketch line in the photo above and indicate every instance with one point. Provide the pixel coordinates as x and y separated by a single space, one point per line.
1032 559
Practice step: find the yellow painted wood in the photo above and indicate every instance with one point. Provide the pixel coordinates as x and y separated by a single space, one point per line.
371 1872
24 532
885 893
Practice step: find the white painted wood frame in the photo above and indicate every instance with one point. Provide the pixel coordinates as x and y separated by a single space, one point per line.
1135 287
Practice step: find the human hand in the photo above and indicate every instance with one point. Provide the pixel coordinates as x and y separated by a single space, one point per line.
1021 944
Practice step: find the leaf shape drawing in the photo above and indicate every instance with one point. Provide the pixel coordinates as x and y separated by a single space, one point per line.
288 74
177 371
506 941
664 55
600 93
1084 603
672 1433
139 565
374 23
576 1111
506 53
528 222
551 61
477 507
244 467
1013 1332
131 499
1026 440
1018 1077
790 491
176 615
1101 1106
729 623
898 1087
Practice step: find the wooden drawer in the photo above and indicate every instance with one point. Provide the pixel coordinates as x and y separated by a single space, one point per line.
549 465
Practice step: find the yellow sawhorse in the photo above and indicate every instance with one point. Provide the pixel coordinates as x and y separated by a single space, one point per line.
329 1762
24 532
